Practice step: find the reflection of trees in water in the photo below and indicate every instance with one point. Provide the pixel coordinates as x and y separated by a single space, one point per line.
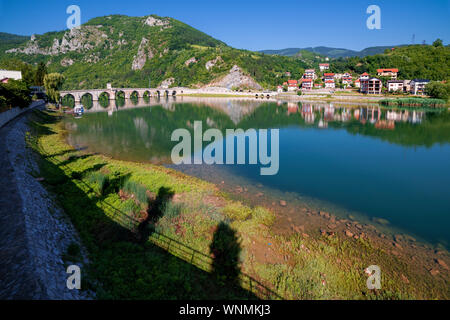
146 132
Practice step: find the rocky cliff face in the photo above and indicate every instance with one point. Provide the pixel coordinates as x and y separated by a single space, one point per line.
80 39
236 78
144 53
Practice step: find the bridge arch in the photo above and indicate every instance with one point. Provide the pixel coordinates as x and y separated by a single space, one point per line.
103 99
67 100
87 100
120 98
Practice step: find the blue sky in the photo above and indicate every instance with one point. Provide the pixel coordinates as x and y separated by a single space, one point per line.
256 25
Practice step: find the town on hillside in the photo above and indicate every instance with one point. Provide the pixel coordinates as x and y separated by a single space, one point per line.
386 81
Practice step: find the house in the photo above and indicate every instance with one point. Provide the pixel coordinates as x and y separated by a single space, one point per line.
287 74
388 73
5 75
329 83
358 83
347 79
317 85
280 89
364 76
328 76
395 85
324 66
307 84
406 86
310 74
292 85
371 86
418 86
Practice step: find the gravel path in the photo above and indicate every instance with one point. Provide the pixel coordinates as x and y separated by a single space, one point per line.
34 232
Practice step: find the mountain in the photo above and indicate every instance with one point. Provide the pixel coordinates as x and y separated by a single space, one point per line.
131 51
8 41
330 52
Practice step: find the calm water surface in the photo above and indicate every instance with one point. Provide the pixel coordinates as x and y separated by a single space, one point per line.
375 162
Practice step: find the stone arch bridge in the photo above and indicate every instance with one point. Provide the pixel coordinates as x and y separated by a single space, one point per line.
113 92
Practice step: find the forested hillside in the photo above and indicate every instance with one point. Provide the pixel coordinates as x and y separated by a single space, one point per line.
131 51
415 61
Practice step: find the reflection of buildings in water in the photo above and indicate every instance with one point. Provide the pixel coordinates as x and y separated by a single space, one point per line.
385 124
323 124
405 116
308 113
375 115
329 113
292 108
346 115
356 114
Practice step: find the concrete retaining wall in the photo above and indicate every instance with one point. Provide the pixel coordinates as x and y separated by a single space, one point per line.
7 116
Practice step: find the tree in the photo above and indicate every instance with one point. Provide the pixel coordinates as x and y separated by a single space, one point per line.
52 83
438 90
438 43
13 94
41 72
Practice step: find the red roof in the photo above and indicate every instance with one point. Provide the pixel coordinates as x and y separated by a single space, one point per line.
307 80
329 81
387 70
328 74
292 81
365 74
324 64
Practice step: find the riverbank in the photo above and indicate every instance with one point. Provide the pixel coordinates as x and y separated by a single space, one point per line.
137 220
35 233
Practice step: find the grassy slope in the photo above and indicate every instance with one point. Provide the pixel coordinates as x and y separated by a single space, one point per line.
126 265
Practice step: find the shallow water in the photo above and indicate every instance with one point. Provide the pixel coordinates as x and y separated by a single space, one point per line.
375 162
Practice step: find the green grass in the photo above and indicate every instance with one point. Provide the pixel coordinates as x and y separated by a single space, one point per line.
414 102
173 257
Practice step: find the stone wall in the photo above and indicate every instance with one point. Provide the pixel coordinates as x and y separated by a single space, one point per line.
7 116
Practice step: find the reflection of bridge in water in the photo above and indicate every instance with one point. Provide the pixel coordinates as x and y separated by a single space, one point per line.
236 108
112 93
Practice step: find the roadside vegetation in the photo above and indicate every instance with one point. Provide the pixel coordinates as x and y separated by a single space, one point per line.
414 102
155 233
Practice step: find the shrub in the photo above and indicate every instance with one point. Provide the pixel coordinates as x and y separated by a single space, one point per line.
172 210
413 102
263 216
438 90
131 208
237 211
139 191
98 181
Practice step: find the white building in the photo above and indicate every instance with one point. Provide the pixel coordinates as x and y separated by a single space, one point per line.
10 74
418 86
330 84
310 74
324 66
395 85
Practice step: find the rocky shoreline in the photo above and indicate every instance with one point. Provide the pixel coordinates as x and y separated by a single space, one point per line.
35 232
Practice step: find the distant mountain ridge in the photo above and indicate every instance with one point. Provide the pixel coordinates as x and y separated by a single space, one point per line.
331 52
